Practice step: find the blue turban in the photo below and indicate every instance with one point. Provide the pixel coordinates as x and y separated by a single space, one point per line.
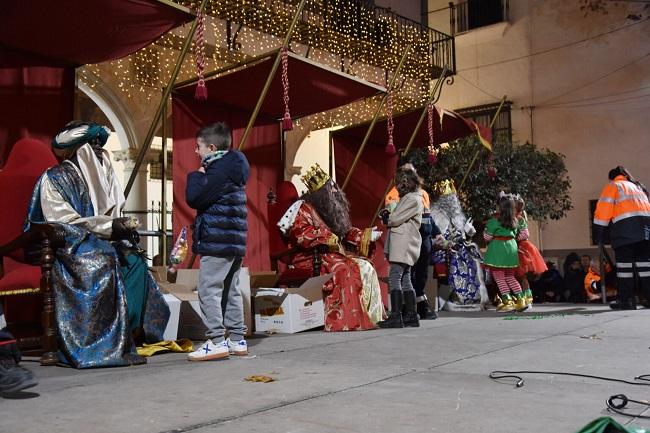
78 134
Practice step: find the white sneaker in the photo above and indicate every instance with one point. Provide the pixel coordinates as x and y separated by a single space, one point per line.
237 348
208 351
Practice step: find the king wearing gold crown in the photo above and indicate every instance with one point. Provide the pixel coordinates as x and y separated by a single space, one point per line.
321 218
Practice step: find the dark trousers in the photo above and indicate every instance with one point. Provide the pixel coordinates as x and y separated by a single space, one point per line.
399 277
632 261
420 271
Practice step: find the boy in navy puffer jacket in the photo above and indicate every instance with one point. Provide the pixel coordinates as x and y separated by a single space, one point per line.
217 192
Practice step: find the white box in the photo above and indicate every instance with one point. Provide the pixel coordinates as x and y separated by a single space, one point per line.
291 310
191 322
171 331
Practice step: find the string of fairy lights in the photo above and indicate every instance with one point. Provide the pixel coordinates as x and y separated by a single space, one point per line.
343 34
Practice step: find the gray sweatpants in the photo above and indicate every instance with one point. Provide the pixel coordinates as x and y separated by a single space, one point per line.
220 298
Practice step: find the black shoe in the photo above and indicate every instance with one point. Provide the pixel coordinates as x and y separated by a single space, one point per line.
618 305
411 320
14 378
395 317
394 321
425 312
410 316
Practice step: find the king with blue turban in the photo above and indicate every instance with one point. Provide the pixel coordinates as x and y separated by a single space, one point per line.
105 297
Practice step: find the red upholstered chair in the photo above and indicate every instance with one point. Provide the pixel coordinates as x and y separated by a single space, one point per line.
26 258
281 255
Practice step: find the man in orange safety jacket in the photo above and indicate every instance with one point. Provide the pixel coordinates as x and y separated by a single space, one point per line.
624 207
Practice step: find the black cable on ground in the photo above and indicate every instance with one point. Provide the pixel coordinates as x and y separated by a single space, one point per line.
615 403
616 407
499 374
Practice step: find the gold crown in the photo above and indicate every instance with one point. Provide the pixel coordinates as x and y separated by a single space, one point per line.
315 178
444 187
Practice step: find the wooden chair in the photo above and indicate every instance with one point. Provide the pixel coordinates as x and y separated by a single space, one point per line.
26 258
280 254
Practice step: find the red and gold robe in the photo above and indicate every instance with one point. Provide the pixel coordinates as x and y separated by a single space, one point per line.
343 294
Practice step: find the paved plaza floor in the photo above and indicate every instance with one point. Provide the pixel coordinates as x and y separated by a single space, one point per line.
428 379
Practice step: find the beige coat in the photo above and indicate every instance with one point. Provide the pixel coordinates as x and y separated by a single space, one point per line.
404 238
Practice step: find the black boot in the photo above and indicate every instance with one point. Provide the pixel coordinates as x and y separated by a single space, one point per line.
410 317
622 305
424 310
395 317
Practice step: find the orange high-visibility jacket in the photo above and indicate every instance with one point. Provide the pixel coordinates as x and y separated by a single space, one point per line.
626 206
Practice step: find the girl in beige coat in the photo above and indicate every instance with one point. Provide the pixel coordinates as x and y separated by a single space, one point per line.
403 249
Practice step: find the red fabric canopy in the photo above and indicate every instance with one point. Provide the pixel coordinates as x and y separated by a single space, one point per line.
232 98
41 42
376 168
77 32
453 127
313 88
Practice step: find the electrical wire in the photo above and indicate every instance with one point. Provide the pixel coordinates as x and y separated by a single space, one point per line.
615 403
645 20
499 374
624 400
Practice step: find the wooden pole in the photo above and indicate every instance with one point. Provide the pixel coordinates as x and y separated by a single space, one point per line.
432 94
269 79
163 189
375 117
163 102
471 164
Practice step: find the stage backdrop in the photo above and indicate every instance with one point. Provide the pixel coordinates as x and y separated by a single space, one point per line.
375 168
41 44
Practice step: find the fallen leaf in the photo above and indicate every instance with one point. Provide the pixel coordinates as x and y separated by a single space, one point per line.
259 378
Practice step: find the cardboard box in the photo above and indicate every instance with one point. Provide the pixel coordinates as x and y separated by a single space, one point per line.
190 321
291 310
171 331
159 273
188 278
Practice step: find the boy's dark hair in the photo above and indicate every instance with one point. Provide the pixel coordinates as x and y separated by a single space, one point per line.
507 212
406 181
217 134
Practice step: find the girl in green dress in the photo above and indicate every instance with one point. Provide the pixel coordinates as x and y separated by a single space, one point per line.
501 257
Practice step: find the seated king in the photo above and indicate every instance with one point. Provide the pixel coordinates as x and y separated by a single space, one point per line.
105 297
321 219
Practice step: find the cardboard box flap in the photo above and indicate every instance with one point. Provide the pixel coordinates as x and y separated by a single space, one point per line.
263 279
188 277
182 292
270 291
311 289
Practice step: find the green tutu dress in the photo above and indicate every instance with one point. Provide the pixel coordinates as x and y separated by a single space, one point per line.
502 249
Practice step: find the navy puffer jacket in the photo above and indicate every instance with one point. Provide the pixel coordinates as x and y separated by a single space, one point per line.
219 196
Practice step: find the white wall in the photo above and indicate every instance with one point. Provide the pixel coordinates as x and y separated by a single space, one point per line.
313 149
591 94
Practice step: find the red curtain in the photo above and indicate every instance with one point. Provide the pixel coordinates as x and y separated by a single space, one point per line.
36 102
263 152
365 189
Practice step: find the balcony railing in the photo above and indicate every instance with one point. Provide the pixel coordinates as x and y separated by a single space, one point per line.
352 29
472 14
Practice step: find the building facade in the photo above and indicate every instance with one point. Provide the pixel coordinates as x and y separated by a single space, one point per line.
578 82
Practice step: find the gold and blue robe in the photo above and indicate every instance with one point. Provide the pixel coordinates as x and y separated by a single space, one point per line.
99 302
